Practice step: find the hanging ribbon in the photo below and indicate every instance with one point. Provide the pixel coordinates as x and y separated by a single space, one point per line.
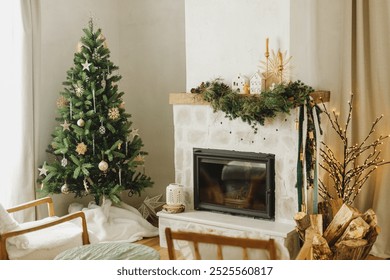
299 184
307 154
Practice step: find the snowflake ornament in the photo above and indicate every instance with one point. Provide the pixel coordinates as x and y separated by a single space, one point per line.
79 90
81 148
62 102
113 113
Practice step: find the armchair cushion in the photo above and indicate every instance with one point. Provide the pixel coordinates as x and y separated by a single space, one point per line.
48 242
7 224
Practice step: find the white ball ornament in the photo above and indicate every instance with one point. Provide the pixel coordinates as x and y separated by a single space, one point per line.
81 122
65 189
103 166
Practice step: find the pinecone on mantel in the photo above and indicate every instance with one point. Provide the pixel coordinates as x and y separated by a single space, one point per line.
346 235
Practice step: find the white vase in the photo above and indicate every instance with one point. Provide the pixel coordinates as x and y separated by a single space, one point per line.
175 194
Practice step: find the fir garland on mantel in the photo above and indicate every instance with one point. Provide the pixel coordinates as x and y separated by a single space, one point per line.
256 108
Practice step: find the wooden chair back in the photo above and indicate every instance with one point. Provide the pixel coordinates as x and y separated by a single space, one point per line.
219 241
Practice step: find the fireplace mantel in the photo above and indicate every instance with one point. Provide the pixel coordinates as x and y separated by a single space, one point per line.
196 99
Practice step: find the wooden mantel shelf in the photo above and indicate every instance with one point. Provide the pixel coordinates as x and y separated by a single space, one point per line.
196 99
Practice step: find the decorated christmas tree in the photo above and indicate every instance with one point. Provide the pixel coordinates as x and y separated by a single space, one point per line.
96 152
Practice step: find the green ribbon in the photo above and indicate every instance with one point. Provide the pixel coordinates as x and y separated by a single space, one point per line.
299 184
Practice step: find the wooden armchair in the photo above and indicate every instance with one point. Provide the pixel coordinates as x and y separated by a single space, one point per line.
219 241
40 226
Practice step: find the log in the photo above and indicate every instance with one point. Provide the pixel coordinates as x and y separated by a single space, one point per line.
339 223
325 210
371 238
306 252
350 249
370 217
357 229
316 223
321 250
302 221
335 205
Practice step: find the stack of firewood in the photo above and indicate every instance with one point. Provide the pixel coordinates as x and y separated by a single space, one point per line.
346 235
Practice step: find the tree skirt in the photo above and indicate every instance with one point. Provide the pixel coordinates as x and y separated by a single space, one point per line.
114 223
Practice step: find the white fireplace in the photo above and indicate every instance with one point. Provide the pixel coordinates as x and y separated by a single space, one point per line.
197 126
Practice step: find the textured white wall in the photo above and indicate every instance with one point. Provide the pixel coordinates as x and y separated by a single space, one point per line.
227 37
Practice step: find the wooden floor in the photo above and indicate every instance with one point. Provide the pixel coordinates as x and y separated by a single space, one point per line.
154 242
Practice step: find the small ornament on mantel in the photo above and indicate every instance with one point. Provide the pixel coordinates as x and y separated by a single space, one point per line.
255 84
239 82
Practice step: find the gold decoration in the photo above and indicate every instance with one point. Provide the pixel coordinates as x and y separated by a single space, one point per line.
103 166
140 159
62 102
113 113
81 148
101 37
78 90
65 125
276 66
80 122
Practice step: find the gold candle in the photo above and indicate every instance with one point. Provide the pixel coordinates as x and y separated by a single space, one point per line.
280 58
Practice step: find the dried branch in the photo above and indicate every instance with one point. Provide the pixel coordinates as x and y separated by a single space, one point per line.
347 174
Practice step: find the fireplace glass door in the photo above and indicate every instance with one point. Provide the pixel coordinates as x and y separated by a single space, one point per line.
234 182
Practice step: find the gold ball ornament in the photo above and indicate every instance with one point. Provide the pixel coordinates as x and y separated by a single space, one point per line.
80 122
103 166
65 189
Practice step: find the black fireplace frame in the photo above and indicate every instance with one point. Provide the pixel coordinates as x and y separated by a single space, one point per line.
268 159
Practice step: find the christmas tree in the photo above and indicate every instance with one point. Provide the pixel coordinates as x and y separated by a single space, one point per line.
96 152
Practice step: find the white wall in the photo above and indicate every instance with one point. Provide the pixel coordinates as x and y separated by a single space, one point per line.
152 50
227 37
146 40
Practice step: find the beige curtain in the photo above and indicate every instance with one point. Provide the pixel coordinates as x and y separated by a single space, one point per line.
17 171
346 50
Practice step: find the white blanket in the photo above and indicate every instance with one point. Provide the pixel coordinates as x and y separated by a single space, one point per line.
112 223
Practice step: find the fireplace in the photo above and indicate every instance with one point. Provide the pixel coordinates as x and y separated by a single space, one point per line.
198 131
238 183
